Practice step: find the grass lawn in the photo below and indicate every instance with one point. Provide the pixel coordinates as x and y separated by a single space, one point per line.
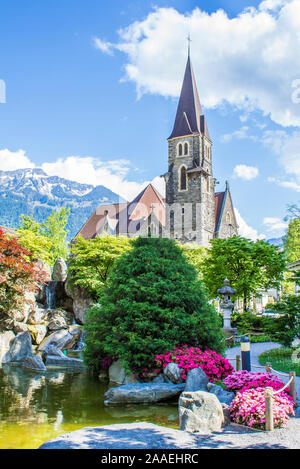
281 360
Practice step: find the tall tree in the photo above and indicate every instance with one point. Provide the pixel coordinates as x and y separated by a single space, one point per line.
248 265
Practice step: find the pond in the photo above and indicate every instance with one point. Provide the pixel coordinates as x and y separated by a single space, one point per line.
35 407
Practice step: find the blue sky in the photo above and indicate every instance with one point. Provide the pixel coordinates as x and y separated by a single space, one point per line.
92 87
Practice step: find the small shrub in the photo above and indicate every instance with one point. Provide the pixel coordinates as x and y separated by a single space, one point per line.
213 364
248 408
243 380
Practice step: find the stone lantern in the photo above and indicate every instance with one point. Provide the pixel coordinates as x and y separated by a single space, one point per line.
226 305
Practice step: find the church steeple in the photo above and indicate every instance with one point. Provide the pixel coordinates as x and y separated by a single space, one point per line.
189 117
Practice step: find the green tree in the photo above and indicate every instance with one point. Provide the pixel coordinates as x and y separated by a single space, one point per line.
248 265
287 326
152 302
91 261
47 240
292 240
195 256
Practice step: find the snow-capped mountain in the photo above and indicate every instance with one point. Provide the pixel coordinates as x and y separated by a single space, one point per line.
33 192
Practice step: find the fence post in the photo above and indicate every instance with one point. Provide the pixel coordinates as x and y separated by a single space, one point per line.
269 409
268 367
293 386
245 352
238 362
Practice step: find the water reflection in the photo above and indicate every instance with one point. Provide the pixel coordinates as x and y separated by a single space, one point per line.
35 407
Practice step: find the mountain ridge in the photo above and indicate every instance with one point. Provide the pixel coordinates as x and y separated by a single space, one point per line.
30 191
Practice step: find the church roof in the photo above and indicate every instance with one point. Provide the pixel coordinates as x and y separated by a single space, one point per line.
189 118
219 204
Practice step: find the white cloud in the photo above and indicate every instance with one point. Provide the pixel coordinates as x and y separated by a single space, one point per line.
287 148
104 46
245 230
12 160
249 60
240 134
274 224
243 171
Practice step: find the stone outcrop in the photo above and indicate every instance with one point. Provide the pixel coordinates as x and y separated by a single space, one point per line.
6 339
34 362
173 373
201 412
20 353
60 270
65 362
225 397
142 393
81 301
64 339
196 380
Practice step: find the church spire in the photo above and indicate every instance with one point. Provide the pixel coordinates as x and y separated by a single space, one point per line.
189 117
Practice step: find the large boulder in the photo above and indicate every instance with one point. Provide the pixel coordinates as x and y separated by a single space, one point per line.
60 270
64 339
225 397
6 339
196 380
34 362
21 347
173 373
81 301
64 361
38 316
117 374
200 412
142 393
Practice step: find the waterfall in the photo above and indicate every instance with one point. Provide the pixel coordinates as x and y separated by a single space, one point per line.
51 295
80 344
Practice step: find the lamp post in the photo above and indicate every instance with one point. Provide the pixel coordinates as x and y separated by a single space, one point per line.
226 306
245 352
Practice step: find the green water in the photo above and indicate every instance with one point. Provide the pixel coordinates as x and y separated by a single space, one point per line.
35 407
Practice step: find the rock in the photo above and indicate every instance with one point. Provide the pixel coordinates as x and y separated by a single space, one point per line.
226 412
19 327
38 332
6 339
116 372
38 316
63 339
81 301
225 397
28 307
20 348
173 372
63 361
196 380
56 323
142 393
138 435
34 362
159 378
60 270
201 412
45 268
54 351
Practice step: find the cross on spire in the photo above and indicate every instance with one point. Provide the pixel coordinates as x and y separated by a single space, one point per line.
189 43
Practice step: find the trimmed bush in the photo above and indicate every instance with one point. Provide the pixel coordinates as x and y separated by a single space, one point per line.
152 302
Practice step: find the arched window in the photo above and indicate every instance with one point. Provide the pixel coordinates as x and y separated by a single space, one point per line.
180 149
182 179
186 148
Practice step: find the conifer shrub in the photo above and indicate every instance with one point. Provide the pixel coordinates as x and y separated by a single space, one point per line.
153 301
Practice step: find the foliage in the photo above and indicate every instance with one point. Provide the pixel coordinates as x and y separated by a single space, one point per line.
47 240
287 326
282 359
17 274
248 265
195 256
292 240
243 380
213 364
152 302
91 261
246 321
248 408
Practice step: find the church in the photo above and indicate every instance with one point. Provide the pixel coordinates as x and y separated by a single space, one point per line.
192 211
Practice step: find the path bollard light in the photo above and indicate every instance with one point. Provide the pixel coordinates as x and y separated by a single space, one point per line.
245 352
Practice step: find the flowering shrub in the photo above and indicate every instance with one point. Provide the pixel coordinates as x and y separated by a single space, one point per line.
243 380
248 408
214 365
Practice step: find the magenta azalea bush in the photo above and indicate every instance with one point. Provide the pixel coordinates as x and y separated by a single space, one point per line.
248 408
243 380
214 365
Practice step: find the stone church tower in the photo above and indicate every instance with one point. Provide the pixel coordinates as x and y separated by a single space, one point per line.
190 185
